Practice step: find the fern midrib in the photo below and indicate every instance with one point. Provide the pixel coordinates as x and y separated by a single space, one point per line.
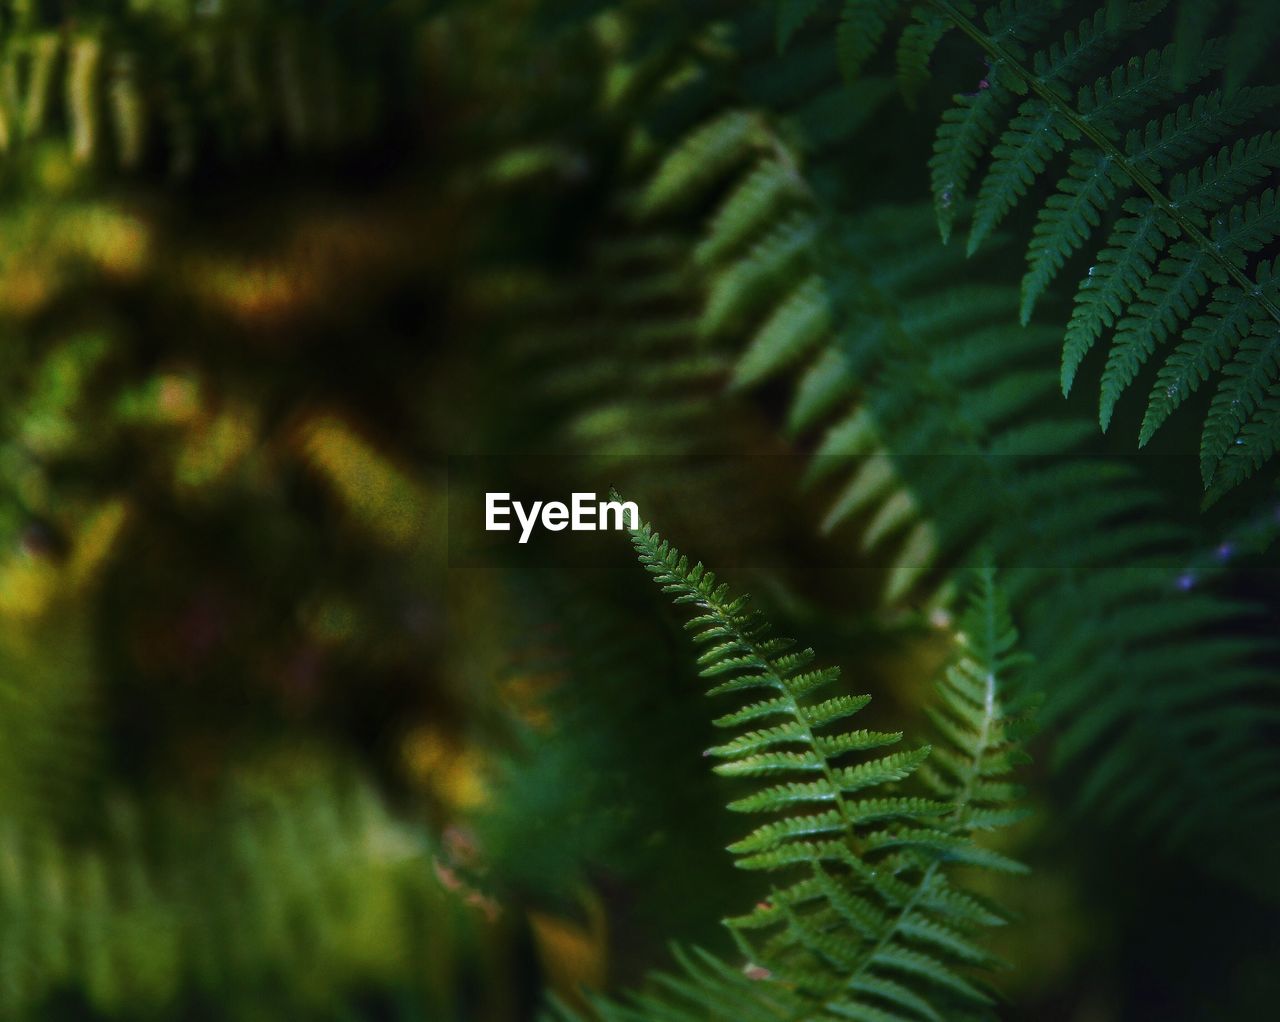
988 712
963 798
793 704
1117 155
893 930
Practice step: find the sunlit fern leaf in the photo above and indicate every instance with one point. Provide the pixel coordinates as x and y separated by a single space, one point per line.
702 157
772 263
750 207
872 482
824 384
795 327
178 86
865 920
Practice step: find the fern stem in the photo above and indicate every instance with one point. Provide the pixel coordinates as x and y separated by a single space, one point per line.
1113 152
963 798
797 710
892 930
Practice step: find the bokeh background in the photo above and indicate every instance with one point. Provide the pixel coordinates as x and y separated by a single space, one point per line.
284 288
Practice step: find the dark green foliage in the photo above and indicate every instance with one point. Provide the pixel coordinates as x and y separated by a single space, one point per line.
1147 145
245 904
941 412
611 710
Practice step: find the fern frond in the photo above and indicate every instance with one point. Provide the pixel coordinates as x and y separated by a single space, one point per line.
797 325
1140 147
1246 377
702 157
706 989
1175 291
863 923
916 47
1093 181
747 211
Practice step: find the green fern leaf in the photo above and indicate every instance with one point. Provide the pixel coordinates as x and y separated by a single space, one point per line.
1093 181
705 156
1256 444
1245 381
747 211
1208 343
796 326
864 923
1036 133
1183 280
745 284
824 384
965 130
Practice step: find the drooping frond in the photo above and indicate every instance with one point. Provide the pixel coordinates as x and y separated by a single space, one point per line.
1151 151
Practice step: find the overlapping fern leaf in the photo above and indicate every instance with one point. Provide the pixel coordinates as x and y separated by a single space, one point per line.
939 411
1153 150
864 919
